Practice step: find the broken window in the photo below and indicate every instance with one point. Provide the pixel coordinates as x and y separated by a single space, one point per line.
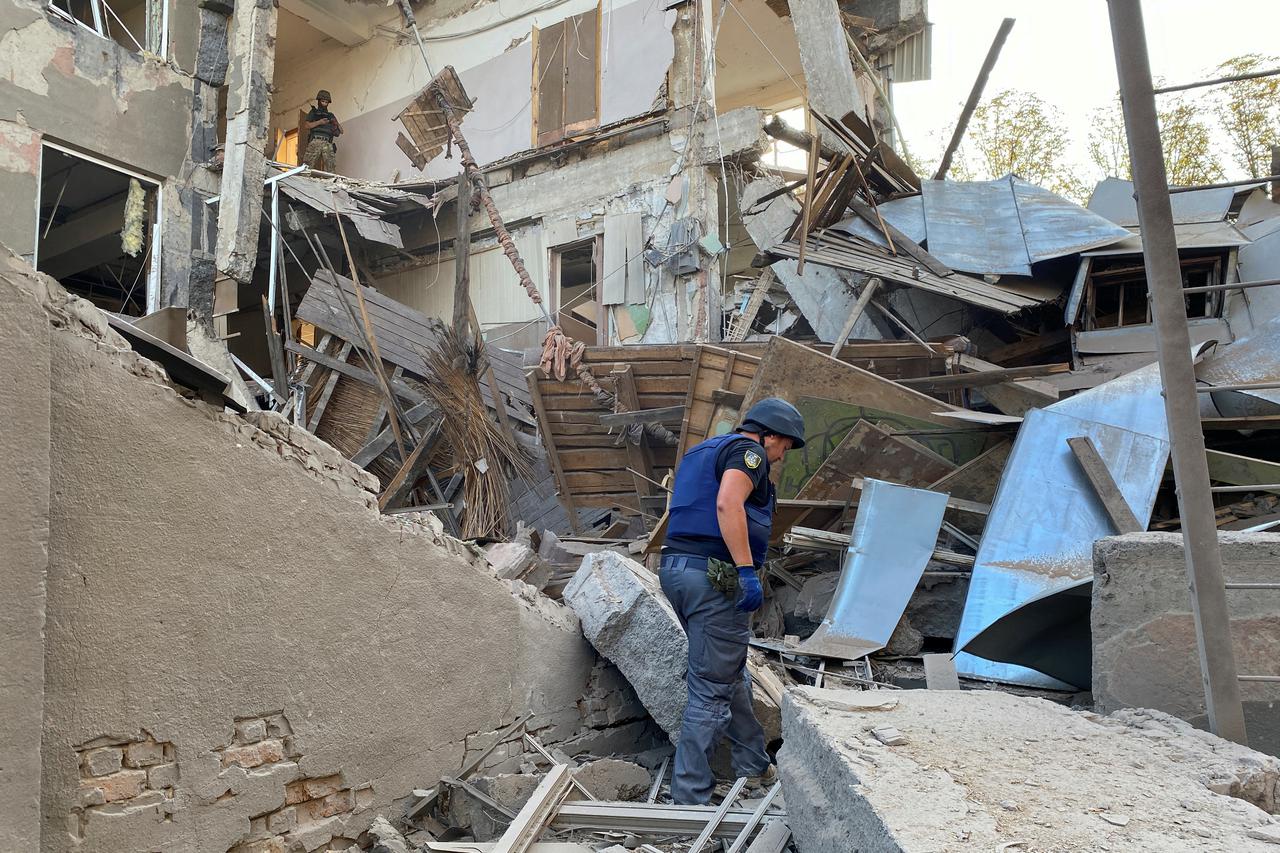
1117 292
575 272
98 231
134 24
566 78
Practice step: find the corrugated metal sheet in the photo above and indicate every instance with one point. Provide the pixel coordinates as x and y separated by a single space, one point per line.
1045 517
893 537
1054 227
913 57
973 226
1113 199
905 214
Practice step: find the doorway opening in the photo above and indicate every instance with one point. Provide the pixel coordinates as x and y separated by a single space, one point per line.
98 232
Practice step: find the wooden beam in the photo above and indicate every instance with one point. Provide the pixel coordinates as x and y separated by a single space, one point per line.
639 456
402 483
986 377
383 439
401 390
326 392
537 812
664 415
279 374
807 211
462 260
1095 470
868 291
553 456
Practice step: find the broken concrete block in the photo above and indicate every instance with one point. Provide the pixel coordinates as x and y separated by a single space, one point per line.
385 837
611 780
515 561
1144 639
992 771
627 619
511 790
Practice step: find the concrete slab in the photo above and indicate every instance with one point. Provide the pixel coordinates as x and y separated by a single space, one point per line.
981 770
627 618
1144 640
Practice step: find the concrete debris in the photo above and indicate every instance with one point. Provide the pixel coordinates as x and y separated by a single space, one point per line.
610 779
992 771
386 838
627 619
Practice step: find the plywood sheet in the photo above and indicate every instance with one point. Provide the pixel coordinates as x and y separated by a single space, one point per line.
870 451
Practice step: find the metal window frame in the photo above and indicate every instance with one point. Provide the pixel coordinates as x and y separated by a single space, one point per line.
101 29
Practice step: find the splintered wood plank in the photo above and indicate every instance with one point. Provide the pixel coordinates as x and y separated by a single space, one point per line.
870 451
1104 485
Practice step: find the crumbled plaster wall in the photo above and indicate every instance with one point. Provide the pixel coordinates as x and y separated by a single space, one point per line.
238 647
60 82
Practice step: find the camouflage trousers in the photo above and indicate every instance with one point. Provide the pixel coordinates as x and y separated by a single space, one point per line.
320 154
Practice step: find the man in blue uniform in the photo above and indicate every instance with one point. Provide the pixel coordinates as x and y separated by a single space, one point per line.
720 517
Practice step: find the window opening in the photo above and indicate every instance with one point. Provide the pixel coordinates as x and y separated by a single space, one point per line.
577 270
98 232
134 24
1117 293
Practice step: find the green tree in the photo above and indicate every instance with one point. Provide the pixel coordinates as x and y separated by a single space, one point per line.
1249 112
1189 158
1018 132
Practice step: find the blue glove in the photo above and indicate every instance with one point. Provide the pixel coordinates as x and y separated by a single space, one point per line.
752 594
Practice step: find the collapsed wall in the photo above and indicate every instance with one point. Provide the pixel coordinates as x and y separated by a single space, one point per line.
1144 636
239 652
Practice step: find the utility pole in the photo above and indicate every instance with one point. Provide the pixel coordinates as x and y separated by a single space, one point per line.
1177 373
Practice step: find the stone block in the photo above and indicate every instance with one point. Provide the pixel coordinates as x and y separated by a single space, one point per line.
162 776
984 770
124 785
1144 640
322 786
338 803
143 754
251 731
611 779
628 620
285 820
103 761
385 837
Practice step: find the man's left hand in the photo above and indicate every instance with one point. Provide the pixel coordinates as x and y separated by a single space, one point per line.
752 594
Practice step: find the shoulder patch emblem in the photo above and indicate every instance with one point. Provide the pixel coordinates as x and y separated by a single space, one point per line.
752 459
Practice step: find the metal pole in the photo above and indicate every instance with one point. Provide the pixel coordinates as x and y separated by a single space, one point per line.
975 95
1232 79
1243 182
1177 374
275 246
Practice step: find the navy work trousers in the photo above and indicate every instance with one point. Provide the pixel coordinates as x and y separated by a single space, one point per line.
718 684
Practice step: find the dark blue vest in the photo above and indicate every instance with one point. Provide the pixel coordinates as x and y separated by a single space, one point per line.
692 511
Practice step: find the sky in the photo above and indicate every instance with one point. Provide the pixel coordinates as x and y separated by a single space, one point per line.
1062 52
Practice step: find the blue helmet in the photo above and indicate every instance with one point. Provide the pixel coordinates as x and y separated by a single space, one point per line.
775 415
